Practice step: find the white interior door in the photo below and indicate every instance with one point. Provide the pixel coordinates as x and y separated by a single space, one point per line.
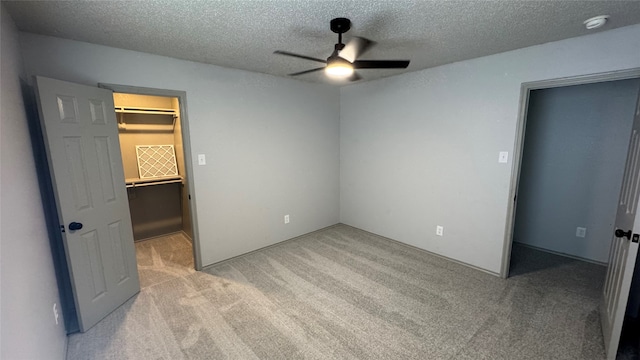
83 150
624 247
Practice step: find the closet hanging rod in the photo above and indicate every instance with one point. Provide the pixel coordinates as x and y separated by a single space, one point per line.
141 110
136 185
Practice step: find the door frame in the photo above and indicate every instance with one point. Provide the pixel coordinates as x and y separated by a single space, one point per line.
525 91
186 142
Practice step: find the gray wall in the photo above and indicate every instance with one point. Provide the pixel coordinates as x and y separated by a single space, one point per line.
575 149
28 283
272 144
421 149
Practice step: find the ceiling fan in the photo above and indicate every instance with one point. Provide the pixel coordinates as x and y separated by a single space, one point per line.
344 59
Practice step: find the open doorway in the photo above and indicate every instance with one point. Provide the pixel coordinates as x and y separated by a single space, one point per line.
574 136
153 156
572 165
177 103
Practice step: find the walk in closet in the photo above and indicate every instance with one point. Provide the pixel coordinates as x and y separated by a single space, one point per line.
153 158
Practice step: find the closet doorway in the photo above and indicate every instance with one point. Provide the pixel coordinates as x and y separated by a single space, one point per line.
153 135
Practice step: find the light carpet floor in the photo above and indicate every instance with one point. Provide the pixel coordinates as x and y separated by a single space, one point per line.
164 258
342 293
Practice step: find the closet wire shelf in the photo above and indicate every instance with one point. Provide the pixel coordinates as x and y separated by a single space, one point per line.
124 126
136 183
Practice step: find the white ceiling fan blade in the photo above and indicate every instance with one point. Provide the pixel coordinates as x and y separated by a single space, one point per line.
354 48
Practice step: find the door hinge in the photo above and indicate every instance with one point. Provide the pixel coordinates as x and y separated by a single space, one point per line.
61 228
189 196
635 238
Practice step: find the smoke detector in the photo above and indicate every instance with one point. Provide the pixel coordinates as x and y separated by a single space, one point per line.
596 22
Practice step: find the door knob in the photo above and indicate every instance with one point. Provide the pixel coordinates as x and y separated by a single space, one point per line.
75 226
620 233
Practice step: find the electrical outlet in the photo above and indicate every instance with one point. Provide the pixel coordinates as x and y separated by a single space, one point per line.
55 312
286 219
439 230
581 232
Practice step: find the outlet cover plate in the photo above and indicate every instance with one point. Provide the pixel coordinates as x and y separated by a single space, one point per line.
503 157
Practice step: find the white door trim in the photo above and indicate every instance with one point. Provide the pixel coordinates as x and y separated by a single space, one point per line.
186 141
525 90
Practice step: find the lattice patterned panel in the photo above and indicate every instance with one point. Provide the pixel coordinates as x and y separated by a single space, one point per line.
156 161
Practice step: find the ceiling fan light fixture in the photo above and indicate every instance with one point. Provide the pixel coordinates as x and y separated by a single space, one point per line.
338 68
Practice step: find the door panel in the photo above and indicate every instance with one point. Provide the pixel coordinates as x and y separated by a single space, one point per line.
77 166
81 137
93 254
105 163
98 112
118 247
624 250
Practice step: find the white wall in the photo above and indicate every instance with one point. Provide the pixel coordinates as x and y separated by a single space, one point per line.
421 149
28 284
272 144
574 156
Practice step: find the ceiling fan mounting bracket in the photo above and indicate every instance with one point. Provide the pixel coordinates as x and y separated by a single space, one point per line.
340 25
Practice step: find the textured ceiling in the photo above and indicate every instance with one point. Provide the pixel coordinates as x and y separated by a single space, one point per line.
244 34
